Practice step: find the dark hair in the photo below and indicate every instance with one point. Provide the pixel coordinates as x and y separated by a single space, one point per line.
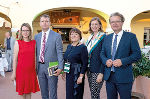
45 16
117 14
76 31
93 19
29 27
10 33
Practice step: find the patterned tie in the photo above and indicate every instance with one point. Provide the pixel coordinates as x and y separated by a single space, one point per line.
43 49
114 52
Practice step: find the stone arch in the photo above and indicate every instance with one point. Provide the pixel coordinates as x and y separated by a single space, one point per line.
140 26
103 16
5 25
60 25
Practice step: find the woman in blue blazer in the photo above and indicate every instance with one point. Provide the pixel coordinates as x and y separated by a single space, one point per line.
95 67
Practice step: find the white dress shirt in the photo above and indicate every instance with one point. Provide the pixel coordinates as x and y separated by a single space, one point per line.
118 39
47 34
90 45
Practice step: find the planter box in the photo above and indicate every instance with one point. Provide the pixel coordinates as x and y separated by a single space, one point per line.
142 85
136 95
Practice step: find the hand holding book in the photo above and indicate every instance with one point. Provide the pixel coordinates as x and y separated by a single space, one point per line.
57 72
53 69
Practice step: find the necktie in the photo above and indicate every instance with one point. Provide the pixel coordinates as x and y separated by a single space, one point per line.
43 49
114 52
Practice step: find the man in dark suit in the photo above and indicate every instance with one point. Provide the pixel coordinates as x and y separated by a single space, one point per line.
120 49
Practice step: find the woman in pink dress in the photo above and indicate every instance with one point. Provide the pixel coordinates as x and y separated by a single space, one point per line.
24 71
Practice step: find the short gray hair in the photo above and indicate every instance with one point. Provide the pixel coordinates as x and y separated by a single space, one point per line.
117 14
45 16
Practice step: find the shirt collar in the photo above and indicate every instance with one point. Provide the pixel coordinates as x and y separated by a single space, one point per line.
119 34
47 32
8 38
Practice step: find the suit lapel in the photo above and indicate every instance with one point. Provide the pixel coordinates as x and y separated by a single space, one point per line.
39 41
110 44
11 41
121 43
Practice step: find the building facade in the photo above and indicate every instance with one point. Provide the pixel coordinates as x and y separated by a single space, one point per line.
66 14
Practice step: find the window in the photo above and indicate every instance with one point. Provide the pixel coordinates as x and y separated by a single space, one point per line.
146 35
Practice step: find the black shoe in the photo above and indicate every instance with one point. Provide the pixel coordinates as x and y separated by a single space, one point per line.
8 71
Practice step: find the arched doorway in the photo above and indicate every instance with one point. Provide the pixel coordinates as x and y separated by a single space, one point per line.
140 25
5 25
63 19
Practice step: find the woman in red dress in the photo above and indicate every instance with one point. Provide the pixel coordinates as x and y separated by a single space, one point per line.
24 71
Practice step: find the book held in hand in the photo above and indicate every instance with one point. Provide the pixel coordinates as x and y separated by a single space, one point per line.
53 66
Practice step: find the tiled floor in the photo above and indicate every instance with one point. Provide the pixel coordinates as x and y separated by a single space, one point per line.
7 89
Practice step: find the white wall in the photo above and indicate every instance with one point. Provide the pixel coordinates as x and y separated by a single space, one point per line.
26 10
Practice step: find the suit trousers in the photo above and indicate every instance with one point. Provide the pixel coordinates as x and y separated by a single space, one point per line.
9 57
94 86
48 84
113 88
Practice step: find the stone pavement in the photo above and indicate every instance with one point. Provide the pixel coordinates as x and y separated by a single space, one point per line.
7 89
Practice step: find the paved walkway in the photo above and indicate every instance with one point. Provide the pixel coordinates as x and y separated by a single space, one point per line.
7 89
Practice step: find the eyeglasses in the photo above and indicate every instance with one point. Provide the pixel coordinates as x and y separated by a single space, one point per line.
115 22
25 30
94 24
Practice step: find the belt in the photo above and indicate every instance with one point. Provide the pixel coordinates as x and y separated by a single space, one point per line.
41 62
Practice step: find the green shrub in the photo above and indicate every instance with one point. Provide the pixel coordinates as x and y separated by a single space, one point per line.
142 67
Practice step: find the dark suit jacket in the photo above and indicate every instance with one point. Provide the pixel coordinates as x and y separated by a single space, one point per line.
96 65
128 51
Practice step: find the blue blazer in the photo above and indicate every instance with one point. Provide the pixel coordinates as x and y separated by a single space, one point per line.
128 51
96 65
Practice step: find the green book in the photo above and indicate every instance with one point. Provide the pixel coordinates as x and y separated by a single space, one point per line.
53 66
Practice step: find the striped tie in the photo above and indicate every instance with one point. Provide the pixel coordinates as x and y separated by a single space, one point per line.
114 52
43 49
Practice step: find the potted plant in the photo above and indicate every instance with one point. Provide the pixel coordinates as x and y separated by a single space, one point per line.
142 67
147 43
141 71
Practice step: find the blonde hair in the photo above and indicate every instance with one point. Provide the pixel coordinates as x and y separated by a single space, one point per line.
30 34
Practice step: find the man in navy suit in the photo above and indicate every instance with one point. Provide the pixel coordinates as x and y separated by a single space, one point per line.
120 49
